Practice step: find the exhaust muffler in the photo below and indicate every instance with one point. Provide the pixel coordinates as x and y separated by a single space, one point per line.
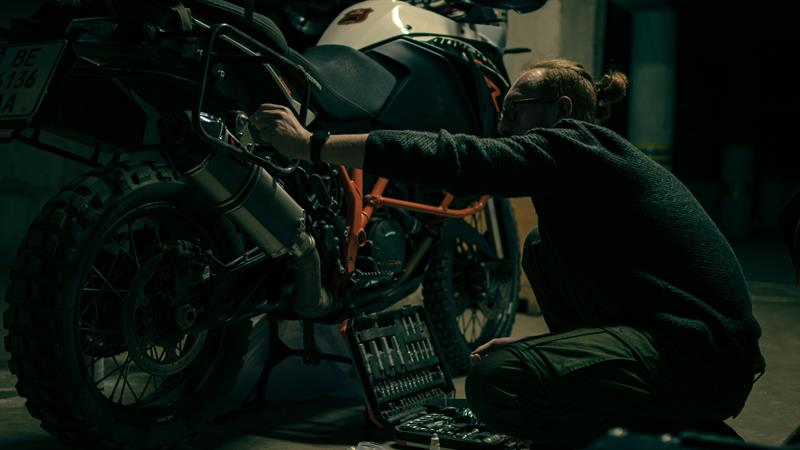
254 201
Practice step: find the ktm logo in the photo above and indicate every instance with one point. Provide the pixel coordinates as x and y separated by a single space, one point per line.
355 16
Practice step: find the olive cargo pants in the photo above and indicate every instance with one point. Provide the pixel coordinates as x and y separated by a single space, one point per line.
567 388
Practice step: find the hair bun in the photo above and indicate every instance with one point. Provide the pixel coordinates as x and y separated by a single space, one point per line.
610 89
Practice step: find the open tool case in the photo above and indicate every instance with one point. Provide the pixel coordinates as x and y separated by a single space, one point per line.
407 386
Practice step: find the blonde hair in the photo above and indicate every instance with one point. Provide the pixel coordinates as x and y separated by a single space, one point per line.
591 101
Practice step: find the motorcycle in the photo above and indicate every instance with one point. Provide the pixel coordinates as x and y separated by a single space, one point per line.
132 297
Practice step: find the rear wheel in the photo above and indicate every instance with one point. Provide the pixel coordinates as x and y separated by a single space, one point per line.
102 356
471 289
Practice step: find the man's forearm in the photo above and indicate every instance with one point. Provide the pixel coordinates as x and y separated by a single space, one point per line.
345 149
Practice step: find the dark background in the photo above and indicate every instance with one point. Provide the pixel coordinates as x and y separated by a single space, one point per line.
736 85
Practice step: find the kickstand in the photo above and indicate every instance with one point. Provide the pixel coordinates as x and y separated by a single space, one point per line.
278 352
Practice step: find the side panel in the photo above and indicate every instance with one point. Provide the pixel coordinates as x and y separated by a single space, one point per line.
439 82
371 22
430 94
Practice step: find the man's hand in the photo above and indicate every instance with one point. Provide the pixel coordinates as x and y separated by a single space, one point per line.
278 125
489 347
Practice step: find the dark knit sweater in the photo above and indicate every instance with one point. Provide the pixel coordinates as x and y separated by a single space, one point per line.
609 217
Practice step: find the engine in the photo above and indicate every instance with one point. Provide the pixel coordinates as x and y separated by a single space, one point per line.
317 189
386 250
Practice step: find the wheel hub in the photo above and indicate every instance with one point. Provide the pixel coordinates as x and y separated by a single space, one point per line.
158 334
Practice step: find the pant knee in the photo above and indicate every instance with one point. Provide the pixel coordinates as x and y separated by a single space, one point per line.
501 393
476 386
499 385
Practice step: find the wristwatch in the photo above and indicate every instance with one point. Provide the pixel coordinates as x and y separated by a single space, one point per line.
318 139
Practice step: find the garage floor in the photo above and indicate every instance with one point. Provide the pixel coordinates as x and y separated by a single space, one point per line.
772 412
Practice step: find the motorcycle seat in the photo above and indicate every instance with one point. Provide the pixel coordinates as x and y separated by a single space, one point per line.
354 86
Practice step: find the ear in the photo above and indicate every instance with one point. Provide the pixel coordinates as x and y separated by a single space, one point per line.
564 107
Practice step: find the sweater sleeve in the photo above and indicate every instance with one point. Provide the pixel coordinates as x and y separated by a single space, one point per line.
462 164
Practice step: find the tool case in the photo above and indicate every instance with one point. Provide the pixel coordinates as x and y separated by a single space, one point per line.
407 386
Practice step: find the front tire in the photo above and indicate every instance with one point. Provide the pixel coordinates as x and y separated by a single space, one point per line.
471 288
90 356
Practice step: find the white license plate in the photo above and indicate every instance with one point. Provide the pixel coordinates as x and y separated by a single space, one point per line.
25 72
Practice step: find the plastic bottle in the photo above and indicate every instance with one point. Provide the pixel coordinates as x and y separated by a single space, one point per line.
435 442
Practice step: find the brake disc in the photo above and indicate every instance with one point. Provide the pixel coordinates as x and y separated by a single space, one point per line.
153 328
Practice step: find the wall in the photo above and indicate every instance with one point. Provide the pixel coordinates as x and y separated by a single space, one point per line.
571 29
28 177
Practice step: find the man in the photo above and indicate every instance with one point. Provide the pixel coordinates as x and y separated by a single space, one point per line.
650 318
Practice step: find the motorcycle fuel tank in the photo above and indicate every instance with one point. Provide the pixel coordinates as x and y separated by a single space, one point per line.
368 23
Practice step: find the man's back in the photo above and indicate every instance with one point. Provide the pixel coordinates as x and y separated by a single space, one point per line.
651 255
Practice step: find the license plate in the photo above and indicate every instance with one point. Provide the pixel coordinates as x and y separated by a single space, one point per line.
25 72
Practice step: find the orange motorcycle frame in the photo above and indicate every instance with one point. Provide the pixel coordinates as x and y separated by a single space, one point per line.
360 208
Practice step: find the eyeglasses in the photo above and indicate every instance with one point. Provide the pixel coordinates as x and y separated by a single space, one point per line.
509 110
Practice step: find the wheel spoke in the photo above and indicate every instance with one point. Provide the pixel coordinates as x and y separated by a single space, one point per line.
481 323
130 388
90 368
152 352
109 374
168 351
90 347
89 303
91 329
128 250
116 291
132 243
157 236
93 361
118 369
124 374
120 250
113 289
158 353
472 324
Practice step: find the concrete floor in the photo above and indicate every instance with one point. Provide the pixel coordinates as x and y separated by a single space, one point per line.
772 411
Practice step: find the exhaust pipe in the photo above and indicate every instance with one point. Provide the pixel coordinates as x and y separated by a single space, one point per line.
254 201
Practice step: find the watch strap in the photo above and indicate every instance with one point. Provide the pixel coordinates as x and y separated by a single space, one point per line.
318 140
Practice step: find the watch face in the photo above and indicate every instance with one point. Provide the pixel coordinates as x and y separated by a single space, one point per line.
318 139
321 135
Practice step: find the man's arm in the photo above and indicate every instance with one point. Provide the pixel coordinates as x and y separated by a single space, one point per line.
462 164
345 149
278 125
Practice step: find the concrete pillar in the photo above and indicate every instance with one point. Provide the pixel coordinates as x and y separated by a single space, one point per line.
652 91
583 33
539 31
573 29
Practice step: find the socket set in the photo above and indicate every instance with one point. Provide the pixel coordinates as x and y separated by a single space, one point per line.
407 385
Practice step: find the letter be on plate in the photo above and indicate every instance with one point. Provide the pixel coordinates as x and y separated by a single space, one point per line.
25 72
